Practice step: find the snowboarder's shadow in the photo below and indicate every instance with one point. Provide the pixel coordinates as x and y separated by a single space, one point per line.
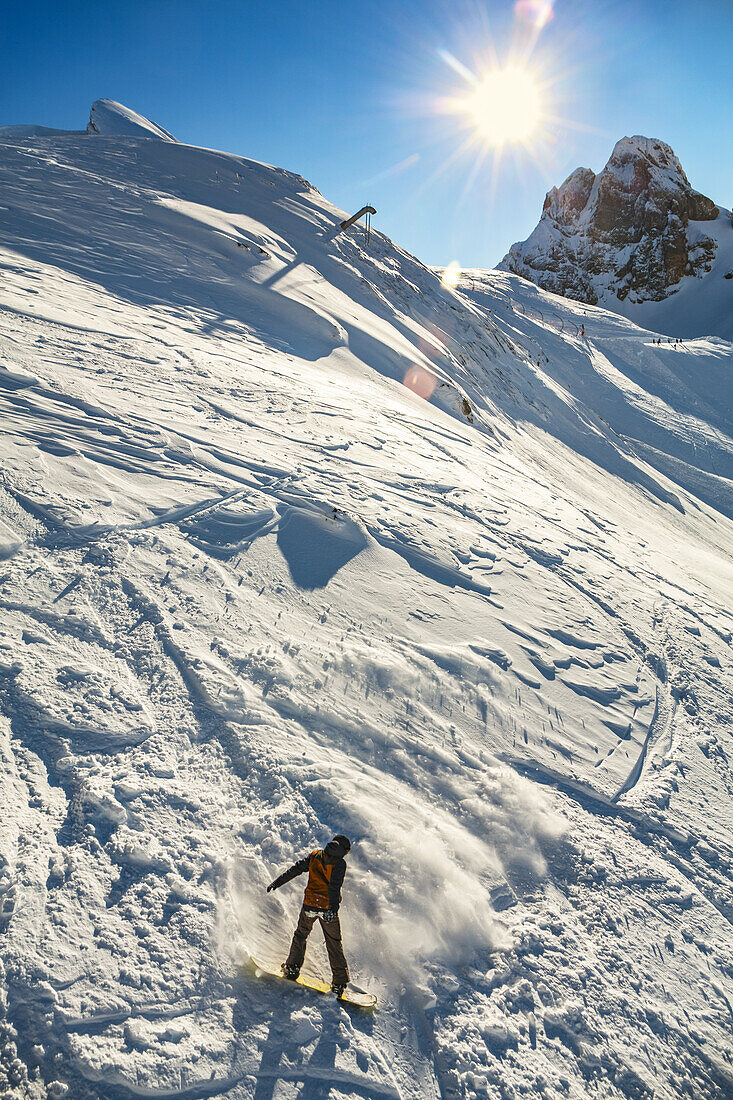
275 1044
316 1072
323 1060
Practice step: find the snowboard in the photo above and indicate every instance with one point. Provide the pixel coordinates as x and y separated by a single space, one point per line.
352 995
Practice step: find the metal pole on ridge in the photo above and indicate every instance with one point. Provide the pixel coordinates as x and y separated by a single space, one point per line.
355 217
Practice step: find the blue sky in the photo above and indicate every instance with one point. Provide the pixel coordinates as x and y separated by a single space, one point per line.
345 94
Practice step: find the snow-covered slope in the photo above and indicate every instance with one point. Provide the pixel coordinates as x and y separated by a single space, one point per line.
256 590
637 239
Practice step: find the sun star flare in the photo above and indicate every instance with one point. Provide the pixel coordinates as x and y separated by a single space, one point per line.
504 107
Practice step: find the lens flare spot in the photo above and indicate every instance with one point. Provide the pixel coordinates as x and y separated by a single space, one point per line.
451 275
537 13
504 107
420 381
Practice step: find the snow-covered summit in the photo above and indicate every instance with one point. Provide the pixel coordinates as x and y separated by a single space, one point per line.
107 117
115 120
633 238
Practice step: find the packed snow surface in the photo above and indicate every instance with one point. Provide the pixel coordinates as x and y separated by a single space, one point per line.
254 590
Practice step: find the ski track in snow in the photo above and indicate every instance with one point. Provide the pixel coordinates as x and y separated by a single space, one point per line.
254 591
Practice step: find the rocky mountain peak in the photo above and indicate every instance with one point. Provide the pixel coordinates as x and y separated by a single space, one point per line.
565 203
643 188
624 232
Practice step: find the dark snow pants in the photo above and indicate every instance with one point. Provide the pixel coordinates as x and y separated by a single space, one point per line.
332 936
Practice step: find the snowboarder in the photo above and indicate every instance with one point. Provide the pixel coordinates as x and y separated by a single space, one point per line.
326 869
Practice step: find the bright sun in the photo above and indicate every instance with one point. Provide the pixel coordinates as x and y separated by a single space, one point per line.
504 107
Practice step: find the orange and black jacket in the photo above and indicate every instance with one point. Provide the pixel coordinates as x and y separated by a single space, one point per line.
324 880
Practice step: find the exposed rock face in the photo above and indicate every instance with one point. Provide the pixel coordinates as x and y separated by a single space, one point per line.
626 231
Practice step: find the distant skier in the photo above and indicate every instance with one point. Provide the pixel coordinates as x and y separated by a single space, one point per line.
326 869
582 330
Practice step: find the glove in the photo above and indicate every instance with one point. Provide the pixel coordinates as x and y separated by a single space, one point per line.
329 915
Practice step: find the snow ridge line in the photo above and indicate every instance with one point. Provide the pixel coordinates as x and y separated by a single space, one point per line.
370 1087
156 1010
661 723
150 613
665 706
65 624
645 827
592 800
197 1090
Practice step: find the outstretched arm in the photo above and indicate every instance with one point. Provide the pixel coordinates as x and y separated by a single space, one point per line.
298 868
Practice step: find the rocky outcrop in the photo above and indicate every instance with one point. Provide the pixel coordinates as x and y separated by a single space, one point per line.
632 230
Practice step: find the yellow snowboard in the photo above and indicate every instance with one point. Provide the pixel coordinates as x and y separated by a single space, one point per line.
352 995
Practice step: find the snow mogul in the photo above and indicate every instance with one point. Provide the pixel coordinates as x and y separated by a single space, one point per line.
326 869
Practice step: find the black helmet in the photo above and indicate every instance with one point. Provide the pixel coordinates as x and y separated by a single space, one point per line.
339 846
